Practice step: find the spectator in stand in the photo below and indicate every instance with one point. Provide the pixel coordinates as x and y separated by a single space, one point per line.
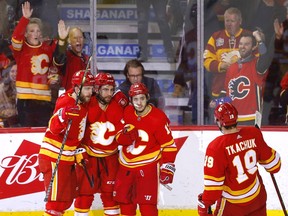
231 176
267 15
222 49
70 114
284 95
147 144
174 14
245 78
134 73
8 109
72 59
6 56
4 60
187 68
6 27
143 12
264 14
33 58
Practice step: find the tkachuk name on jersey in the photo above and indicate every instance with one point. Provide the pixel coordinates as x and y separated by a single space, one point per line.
241 146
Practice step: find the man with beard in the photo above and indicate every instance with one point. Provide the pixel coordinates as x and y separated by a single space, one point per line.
104 121
245 78
68 115
147 142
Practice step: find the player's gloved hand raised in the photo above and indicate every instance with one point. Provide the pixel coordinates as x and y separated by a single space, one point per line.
68 112
131 131
81 157
203 209
167 171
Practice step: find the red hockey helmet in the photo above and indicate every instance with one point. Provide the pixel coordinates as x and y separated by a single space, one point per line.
78 76
138 88
226 114
104 79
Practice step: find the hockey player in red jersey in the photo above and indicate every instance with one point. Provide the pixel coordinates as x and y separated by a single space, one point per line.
231 176
146 142
104 121
63 190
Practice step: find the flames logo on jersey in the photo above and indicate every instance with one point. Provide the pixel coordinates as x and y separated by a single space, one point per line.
102 133
239 87
37 64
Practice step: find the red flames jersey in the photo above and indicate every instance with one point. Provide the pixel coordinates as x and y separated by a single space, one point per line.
155 139
73 64
102 128
33 65
244 85
56 129
230 167
221 47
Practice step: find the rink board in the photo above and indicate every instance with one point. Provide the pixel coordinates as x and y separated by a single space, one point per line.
22 191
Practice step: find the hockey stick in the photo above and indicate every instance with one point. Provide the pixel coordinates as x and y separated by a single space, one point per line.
167 187
90 51
91 180
90 44
57 161
258 119
65 136
279 194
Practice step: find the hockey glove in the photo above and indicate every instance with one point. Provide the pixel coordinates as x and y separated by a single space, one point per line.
131 131
167 171
67 112
81 156
203 209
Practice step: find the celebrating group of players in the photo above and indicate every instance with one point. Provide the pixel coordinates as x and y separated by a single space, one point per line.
123 150
98 124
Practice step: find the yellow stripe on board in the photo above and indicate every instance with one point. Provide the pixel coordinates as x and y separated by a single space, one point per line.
169 212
